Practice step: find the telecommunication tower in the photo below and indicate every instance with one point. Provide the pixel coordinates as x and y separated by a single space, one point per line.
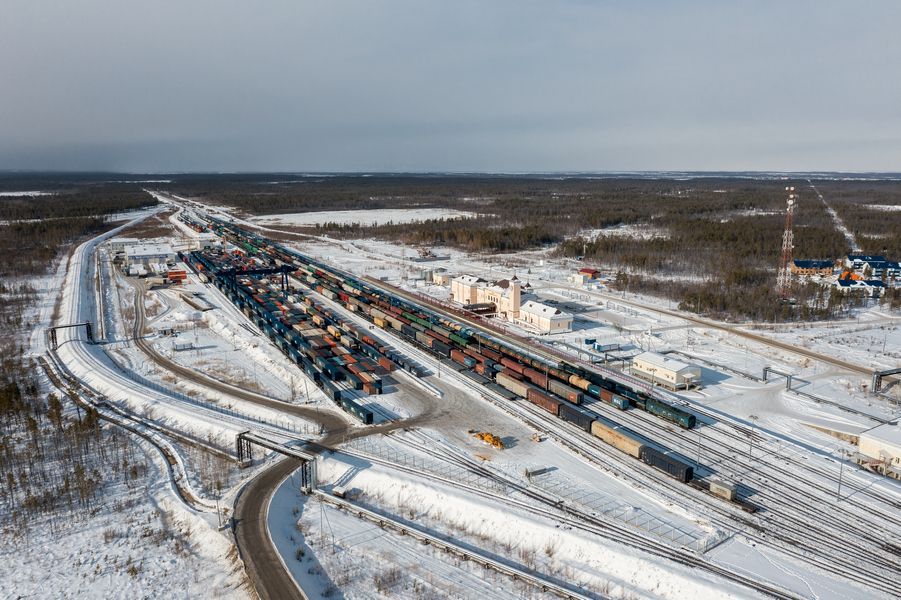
783 282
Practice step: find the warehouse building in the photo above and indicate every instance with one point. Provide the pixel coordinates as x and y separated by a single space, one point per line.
544 318
147 254
118 245
504 294
882 444
666 372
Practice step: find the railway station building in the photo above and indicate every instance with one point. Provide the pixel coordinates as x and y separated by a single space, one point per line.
544 318
504 294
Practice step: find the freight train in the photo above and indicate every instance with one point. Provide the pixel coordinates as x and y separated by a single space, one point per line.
548 384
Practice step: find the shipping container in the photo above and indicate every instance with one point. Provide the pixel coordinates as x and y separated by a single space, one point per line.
722 489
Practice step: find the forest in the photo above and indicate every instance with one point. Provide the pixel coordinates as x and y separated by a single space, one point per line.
34 228
75 456
711 244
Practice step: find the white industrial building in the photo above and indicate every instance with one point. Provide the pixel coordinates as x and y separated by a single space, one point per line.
666 372
883 445
118 245
544 318
147 254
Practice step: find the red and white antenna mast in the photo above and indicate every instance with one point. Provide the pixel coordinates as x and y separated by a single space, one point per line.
783 282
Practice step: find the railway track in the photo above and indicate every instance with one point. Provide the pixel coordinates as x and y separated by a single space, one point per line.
808 515
595 450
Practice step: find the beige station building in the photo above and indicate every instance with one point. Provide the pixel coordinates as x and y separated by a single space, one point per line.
544 318
505 294
506 297
666 372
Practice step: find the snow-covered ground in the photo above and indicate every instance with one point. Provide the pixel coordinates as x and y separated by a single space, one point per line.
365 218
139 540
24 194
138 543
782 419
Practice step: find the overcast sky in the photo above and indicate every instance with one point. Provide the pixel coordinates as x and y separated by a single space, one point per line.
188 85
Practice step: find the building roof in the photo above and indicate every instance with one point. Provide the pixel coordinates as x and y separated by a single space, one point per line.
814 264
865 258
848 283
664 362
150 250
469 279
887 434
537 308
588 271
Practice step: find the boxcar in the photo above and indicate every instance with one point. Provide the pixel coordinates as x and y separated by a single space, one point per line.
574 416
539 398
671 466
617 437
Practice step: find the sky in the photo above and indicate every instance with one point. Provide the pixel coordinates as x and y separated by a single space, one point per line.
422 85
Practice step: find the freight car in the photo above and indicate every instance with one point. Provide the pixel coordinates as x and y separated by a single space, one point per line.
666 463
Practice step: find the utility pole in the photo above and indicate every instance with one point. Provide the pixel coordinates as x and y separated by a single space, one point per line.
751 437
698 461
841 468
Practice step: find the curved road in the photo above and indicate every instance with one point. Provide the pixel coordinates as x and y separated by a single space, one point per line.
261 560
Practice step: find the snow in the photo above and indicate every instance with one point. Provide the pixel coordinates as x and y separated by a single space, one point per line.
362 217
139 543
24 194
568 554
732 396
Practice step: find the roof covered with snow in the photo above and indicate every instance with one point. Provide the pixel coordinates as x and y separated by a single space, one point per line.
469 279
664 362
150 250
889 434
537 308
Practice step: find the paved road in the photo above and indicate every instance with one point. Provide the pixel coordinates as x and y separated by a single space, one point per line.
261 560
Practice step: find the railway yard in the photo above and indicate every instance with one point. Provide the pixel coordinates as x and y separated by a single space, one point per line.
386 438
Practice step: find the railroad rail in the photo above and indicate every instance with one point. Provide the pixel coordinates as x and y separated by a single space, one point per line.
545 585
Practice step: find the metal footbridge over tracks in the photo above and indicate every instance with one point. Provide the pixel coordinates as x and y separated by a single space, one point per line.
247 439
51 332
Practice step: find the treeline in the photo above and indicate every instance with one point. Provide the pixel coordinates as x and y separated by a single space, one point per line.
78 203
712 244
870 209
37 227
